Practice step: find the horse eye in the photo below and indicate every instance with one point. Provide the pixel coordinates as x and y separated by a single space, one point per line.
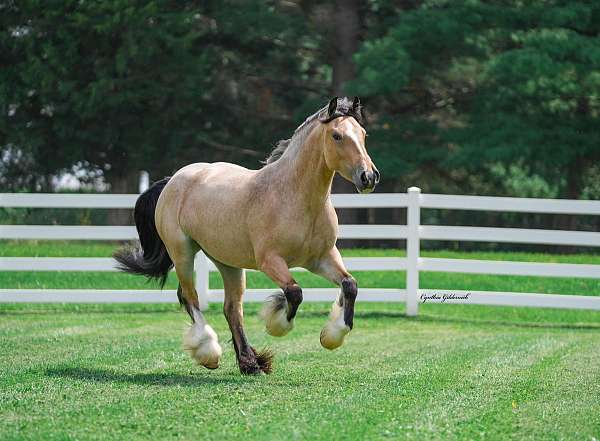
337 136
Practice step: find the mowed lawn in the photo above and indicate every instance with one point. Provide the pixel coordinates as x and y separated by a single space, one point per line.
454 372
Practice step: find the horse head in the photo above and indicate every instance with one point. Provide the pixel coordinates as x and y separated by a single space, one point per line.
344 143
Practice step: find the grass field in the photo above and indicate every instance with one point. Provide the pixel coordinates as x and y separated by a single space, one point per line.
455 372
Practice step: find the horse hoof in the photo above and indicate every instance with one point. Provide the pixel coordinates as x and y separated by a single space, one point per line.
251 369
274 314
335 330
332 337
200 341
256 363
279 326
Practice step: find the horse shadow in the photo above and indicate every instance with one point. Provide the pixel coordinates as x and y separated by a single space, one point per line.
432 318
152 379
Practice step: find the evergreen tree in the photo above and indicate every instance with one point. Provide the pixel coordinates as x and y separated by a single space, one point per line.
463 85
123 85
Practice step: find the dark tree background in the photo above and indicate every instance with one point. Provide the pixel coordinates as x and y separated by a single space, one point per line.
498 97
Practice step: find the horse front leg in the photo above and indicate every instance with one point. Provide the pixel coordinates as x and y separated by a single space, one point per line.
281 308
341 317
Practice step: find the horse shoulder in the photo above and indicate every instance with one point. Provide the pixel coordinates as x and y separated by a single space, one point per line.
325 230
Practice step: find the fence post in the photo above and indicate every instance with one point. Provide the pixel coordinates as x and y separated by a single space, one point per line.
413 220
202 278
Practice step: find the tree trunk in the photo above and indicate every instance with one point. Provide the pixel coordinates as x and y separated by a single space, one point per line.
122 181
575 173
345 40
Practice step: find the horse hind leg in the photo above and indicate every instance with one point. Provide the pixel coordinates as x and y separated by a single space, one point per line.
200 340
250 361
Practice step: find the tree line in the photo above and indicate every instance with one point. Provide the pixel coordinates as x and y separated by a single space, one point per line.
498 97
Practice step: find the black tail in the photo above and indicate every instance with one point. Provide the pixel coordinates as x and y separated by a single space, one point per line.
150 258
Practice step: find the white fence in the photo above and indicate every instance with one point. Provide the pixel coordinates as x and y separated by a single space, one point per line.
413 232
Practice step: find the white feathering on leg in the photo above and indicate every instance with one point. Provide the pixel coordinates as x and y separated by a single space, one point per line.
275 316
201 342
334 331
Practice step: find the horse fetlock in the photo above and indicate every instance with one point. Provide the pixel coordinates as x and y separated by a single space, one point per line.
248 364
349 288
201 342
275 315
350 292
335 330
264 358
256 362
293 295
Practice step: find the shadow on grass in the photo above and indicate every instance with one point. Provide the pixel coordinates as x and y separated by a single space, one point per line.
518 323
166 379
459 320
63 308
514 324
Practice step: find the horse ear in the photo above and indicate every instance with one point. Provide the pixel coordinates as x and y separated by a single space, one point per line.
356 103
332 106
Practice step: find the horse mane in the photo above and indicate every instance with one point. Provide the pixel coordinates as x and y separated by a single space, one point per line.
344 107
278 151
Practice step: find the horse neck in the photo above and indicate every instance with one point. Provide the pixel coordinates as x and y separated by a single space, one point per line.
304 173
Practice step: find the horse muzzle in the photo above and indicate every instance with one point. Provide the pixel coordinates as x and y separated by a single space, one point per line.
365 181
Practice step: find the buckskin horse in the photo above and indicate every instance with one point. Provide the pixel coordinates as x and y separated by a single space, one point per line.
270 219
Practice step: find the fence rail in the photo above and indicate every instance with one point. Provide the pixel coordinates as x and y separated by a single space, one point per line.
412 264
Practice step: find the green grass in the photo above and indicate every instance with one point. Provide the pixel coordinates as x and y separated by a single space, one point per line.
32 248
373 279
456 372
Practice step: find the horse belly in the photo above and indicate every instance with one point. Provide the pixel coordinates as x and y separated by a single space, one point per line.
226 246
214 216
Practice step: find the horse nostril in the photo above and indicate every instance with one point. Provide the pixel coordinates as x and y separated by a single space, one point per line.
377 176
364 178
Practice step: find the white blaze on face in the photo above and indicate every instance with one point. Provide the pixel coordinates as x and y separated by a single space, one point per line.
354 131
356 135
